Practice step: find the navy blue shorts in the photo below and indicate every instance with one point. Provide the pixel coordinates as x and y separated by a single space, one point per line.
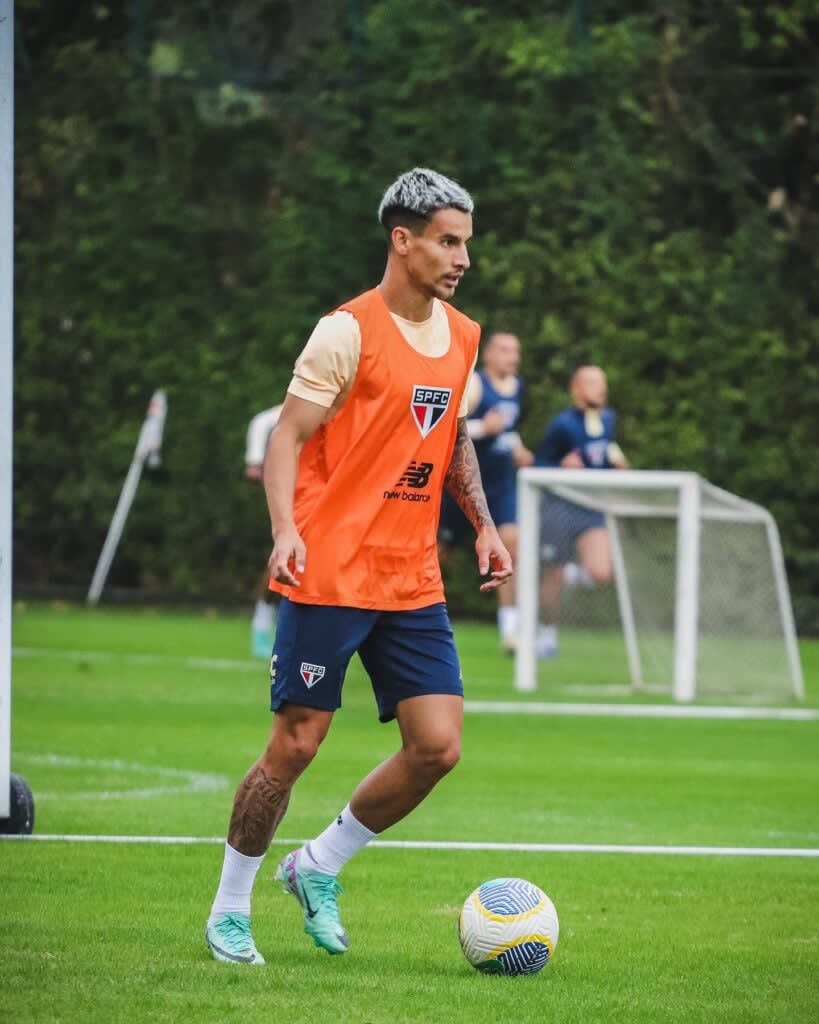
503 503
561 523
454 529
406 654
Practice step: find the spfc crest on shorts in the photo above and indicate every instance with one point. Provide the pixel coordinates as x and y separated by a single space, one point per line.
428 406
311 674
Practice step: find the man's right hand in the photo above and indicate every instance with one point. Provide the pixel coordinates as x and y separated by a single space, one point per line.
288 556
493 423
573 460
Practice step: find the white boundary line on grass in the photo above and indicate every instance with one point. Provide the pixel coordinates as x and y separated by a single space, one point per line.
113 657
500 707
696 711
185 781
432 844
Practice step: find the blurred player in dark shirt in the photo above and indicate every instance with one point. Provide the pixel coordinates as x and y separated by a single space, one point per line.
580 437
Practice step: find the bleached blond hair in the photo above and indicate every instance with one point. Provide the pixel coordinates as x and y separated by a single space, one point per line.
420 193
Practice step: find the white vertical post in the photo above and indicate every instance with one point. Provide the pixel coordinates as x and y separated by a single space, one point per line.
687 601
528 584
6 383
624 602
109 548
147 449
785 609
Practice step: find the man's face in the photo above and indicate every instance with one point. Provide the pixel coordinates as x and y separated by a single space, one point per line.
589 388
437 257
502 355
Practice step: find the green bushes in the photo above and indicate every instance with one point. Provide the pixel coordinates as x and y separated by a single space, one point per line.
645 199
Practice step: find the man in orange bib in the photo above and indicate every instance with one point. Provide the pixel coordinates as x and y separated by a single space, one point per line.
372 428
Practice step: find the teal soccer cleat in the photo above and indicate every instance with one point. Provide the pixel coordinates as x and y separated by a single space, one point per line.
229 939
261 643
317 894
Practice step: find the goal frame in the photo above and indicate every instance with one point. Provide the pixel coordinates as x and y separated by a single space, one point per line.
690 489
6 383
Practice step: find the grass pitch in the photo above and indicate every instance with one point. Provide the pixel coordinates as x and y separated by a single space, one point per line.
143 723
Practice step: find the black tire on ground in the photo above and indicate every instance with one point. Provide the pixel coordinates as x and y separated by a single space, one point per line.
21 807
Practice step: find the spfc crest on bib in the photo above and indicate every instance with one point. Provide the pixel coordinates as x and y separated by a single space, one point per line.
428 406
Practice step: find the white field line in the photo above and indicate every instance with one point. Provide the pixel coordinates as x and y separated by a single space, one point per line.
696 711
421 844
113 657
500 707
594 689
183 781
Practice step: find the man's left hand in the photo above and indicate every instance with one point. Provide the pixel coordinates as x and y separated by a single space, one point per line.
493 559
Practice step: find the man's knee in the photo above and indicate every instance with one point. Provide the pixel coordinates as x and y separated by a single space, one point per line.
600 572
437 756
295 740
296 749
595 556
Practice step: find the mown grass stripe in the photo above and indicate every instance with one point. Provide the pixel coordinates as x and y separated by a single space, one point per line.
485 707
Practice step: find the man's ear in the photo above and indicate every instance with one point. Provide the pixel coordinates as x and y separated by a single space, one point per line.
400 239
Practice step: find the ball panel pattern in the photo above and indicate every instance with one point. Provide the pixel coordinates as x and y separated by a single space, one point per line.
508 926
525 958
509 896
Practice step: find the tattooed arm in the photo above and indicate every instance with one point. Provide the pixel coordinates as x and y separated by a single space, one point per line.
463 481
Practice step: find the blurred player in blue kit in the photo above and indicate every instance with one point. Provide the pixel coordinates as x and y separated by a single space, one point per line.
580 437
494 402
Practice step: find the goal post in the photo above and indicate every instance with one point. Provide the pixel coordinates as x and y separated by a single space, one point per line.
6 386
699 603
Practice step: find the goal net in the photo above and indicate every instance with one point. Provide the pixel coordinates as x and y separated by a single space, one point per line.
698 604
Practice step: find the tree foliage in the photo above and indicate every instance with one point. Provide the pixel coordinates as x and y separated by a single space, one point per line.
195 188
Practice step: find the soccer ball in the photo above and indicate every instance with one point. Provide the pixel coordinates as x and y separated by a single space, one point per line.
508 926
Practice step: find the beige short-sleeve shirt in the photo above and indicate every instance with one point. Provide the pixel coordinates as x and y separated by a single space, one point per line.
326 368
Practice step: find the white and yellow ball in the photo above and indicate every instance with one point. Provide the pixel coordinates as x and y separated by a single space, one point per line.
508 926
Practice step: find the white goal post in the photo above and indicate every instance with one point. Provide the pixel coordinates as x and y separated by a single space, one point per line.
6 387
698 576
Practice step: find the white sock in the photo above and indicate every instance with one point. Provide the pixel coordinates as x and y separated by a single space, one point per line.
263 616
236 883
547 633
576 576
546 640
338 842
507 621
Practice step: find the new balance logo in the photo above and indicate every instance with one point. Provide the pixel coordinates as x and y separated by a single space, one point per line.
311 674
416 474
416 477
